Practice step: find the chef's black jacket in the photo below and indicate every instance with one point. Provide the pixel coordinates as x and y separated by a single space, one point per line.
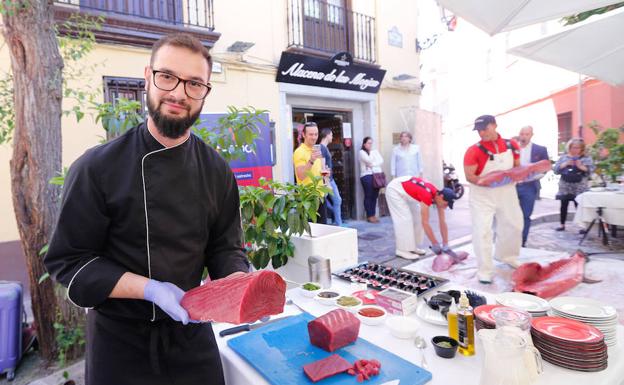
133 205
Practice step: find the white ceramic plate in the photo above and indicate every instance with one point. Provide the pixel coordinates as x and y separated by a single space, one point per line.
583 308
523 301
429 315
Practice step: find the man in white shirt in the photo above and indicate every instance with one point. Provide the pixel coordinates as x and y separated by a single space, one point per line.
406 159
528 192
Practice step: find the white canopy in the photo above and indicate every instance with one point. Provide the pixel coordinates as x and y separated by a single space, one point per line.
594 47
494 16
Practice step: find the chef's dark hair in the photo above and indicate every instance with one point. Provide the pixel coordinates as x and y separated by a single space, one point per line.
324 133
364 142
182 40
308 124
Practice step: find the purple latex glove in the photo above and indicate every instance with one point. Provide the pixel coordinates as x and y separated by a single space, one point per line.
437 250
447 250
167 297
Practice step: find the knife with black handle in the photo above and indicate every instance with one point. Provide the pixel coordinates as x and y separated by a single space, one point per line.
247 327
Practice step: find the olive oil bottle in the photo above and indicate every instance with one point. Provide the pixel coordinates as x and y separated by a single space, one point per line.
451 317
465 327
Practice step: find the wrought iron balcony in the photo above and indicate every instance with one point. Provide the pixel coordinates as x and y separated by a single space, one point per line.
141 22
327 27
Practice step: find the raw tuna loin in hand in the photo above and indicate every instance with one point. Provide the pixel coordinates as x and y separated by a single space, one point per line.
238 299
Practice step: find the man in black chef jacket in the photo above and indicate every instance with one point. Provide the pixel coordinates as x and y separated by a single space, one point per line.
141 217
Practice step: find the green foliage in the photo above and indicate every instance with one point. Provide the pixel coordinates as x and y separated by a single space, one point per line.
237 129
274 212
607 152
66 339
76 40
11 7
119 116
569 20
7 113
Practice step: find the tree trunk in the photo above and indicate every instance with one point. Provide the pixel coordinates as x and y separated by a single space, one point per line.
37 75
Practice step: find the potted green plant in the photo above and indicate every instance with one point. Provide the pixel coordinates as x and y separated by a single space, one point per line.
607 152
273 213
280 233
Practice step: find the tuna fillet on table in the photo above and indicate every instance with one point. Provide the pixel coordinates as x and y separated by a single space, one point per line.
334 330
327 367
239 299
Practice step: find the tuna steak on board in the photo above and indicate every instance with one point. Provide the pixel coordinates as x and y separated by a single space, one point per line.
326 367
239 299
334 330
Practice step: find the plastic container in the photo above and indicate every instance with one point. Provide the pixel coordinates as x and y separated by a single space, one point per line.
10 327
402 327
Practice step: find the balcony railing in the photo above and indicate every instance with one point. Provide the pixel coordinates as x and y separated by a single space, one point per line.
195 13
141 22
323 27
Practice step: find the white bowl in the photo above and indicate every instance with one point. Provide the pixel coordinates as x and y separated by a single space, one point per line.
331 301
402 327
372 320
352 308
310 293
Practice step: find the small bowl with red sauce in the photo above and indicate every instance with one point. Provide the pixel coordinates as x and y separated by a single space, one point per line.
371 315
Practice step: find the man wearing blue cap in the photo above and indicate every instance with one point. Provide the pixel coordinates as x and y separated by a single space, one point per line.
499 201
409 199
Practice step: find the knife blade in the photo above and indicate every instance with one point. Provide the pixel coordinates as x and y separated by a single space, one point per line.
247 327
393 382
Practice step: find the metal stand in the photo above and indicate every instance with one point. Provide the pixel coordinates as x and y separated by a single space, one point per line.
603 229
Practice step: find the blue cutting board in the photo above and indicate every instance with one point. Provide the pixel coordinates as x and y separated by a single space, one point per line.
280 350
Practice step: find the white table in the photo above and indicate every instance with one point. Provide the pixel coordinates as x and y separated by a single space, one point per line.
588 203
459 370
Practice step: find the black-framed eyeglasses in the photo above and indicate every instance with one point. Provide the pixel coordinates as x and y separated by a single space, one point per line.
167 82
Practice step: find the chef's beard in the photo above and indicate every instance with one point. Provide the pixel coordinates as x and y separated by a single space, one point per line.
168 126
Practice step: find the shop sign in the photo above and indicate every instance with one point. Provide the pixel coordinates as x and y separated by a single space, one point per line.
338 72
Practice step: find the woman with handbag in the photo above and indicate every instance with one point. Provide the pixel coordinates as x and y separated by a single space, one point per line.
575 167
371 176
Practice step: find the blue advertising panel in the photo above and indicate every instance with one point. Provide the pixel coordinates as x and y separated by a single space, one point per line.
256 165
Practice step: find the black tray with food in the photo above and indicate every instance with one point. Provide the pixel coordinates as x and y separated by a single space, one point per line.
379 277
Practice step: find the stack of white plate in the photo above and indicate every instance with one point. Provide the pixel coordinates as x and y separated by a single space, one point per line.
536 306
589 311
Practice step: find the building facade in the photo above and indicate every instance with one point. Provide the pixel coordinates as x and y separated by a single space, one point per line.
248 40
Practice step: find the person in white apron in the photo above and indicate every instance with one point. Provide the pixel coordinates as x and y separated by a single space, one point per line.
409 199
486 203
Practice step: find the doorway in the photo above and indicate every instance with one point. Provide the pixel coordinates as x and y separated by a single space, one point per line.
341 149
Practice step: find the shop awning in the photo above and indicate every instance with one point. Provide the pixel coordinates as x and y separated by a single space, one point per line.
593 48
494 16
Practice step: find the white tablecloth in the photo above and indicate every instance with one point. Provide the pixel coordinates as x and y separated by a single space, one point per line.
588 202
459 370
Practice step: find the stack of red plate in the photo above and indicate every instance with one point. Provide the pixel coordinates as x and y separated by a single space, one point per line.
570 344
483 317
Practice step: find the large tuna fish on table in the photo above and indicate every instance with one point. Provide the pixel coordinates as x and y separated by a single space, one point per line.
553 279
237 299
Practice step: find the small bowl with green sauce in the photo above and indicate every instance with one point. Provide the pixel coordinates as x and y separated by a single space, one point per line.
349 303
310 289
444 346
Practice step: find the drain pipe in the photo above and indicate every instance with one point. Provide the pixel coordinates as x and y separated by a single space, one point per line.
580 106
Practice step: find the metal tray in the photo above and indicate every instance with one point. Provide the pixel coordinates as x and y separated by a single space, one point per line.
378 276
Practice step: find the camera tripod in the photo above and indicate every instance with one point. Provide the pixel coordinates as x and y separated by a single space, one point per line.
603 228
